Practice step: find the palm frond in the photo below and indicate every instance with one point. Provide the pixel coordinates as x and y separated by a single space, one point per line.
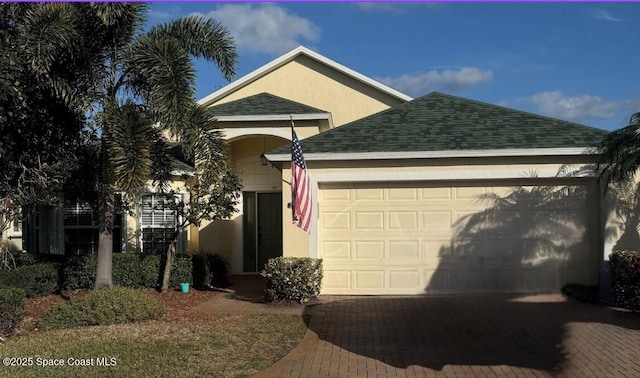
129 138
121 20
49 30
203 38
164 75
160 162
620 153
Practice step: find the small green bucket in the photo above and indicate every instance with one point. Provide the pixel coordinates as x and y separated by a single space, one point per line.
184 287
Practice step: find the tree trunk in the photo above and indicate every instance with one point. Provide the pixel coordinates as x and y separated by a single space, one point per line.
168 264
105 239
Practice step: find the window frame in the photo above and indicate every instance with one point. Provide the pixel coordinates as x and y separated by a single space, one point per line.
164 225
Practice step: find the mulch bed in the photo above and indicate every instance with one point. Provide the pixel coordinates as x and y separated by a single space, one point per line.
178 306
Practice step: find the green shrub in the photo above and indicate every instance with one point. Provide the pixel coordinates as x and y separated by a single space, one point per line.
23 259
103 307
296 279
79 272
135 270
210 269
129 270
11 309
625 278
36 280
182 270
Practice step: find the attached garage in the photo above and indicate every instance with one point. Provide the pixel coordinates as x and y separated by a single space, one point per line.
444 195
479 237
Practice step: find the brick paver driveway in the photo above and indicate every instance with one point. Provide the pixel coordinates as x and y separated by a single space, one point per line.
464 337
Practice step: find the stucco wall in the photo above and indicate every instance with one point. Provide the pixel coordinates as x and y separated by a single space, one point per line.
620 217
307 81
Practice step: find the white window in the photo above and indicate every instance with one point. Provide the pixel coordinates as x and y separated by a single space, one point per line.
157 223
81 224
17 226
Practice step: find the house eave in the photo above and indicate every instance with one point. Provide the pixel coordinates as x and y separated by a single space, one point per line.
273 117
342 156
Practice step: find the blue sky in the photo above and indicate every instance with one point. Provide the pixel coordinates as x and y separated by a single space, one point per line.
574 61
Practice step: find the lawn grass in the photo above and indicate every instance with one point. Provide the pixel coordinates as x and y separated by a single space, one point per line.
224 346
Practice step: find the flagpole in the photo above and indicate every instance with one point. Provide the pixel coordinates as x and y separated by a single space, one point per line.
293 194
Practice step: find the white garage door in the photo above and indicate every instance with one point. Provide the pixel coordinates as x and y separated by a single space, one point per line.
483 238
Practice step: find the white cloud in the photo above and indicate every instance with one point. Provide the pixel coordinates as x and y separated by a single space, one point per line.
577 108
447 80
265 28
157 16
605 16
392 6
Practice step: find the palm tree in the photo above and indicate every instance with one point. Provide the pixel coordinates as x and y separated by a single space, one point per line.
143 88
155 72
620 152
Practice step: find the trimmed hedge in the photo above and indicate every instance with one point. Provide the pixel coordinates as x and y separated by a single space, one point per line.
129 270
210 269
296 279
625 278
103 307
24 259
36 280
79 272
11 309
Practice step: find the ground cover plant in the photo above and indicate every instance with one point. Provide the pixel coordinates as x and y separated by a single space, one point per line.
184 342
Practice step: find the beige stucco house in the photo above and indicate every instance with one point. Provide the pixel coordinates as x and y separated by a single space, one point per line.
438 194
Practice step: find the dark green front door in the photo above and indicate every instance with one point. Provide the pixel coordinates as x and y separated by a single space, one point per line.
262 229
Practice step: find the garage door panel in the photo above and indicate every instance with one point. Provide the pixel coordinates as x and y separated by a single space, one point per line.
337 195
404 279
402 220
436 220
338 281
402 194
370 279
369 220
336 220
426 239
468 193
369 194
340 250
436 194
404 249
369 249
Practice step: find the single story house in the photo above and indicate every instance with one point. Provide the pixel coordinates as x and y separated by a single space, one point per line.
438 194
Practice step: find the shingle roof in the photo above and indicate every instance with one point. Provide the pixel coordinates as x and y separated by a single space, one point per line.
440 122
262 104
177 160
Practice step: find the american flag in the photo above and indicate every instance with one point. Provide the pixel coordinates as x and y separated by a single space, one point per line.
300 188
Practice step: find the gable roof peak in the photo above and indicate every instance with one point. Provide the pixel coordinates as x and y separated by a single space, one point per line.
288 57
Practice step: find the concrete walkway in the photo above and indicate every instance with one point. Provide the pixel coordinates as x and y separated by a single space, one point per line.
455 336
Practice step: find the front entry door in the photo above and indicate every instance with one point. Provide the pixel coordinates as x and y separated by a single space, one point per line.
262 229
269 227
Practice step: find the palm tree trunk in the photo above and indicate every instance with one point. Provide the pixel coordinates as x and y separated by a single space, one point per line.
105 238
168 264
